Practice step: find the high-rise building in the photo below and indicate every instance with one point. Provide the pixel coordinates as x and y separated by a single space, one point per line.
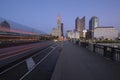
60 26
58 31
93 23
62 34
80 25
77 24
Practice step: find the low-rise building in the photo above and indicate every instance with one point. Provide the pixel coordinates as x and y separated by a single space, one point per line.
55 32
105 33
72 34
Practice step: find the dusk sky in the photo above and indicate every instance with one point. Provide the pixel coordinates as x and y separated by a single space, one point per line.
42 14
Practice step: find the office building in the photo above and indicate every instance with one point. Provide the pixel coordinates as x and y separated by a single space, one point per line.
60 26
80 25
62 34
93 23
107 32
58 31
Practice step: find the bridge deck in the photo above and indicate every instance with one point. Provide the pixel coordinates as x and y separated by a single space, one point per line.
78 63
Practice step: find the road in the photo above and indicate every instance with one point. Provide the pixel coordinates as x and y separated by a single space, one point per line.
9 55
44 60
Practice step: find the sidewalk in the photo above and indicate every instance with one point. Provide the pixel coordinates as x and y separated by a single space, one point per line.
77 63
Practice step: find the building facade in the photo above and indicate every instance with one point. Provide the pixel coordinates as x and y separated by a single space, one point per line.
119 35
80 25
93 23
58 31
70 34
77 24
62 34
108 32
60 26
54 32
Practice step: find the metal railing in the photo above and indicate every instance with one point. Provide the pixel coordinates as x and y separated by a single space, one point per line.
107 51
112 53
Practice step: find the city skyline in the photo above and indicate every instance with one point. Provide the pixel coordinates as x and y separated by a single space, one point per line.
41 15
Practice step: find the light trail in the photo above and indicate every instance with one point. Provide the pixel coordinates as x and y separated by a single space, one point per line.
20 51
23 48
17 31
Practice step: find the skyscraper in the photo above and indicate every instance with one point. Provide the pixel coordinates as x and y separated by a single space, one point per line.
80 25
60 26
62 29
77 24
93 23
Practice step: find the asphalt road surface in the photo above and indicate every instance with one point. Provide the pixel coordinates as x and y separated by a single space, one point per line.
38 66
8 55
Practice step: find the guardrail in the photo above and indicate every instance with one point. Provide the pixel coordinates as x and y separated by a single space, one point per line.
109 52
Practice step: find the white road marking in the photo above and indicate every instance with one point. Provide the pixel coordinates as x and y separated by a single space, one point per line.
52 47
38 63
30 63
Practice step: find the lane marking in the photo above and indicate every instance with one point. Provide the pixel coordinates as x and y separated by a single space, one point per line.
38 63
11 67
30 63
52 47
19 63
19 52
